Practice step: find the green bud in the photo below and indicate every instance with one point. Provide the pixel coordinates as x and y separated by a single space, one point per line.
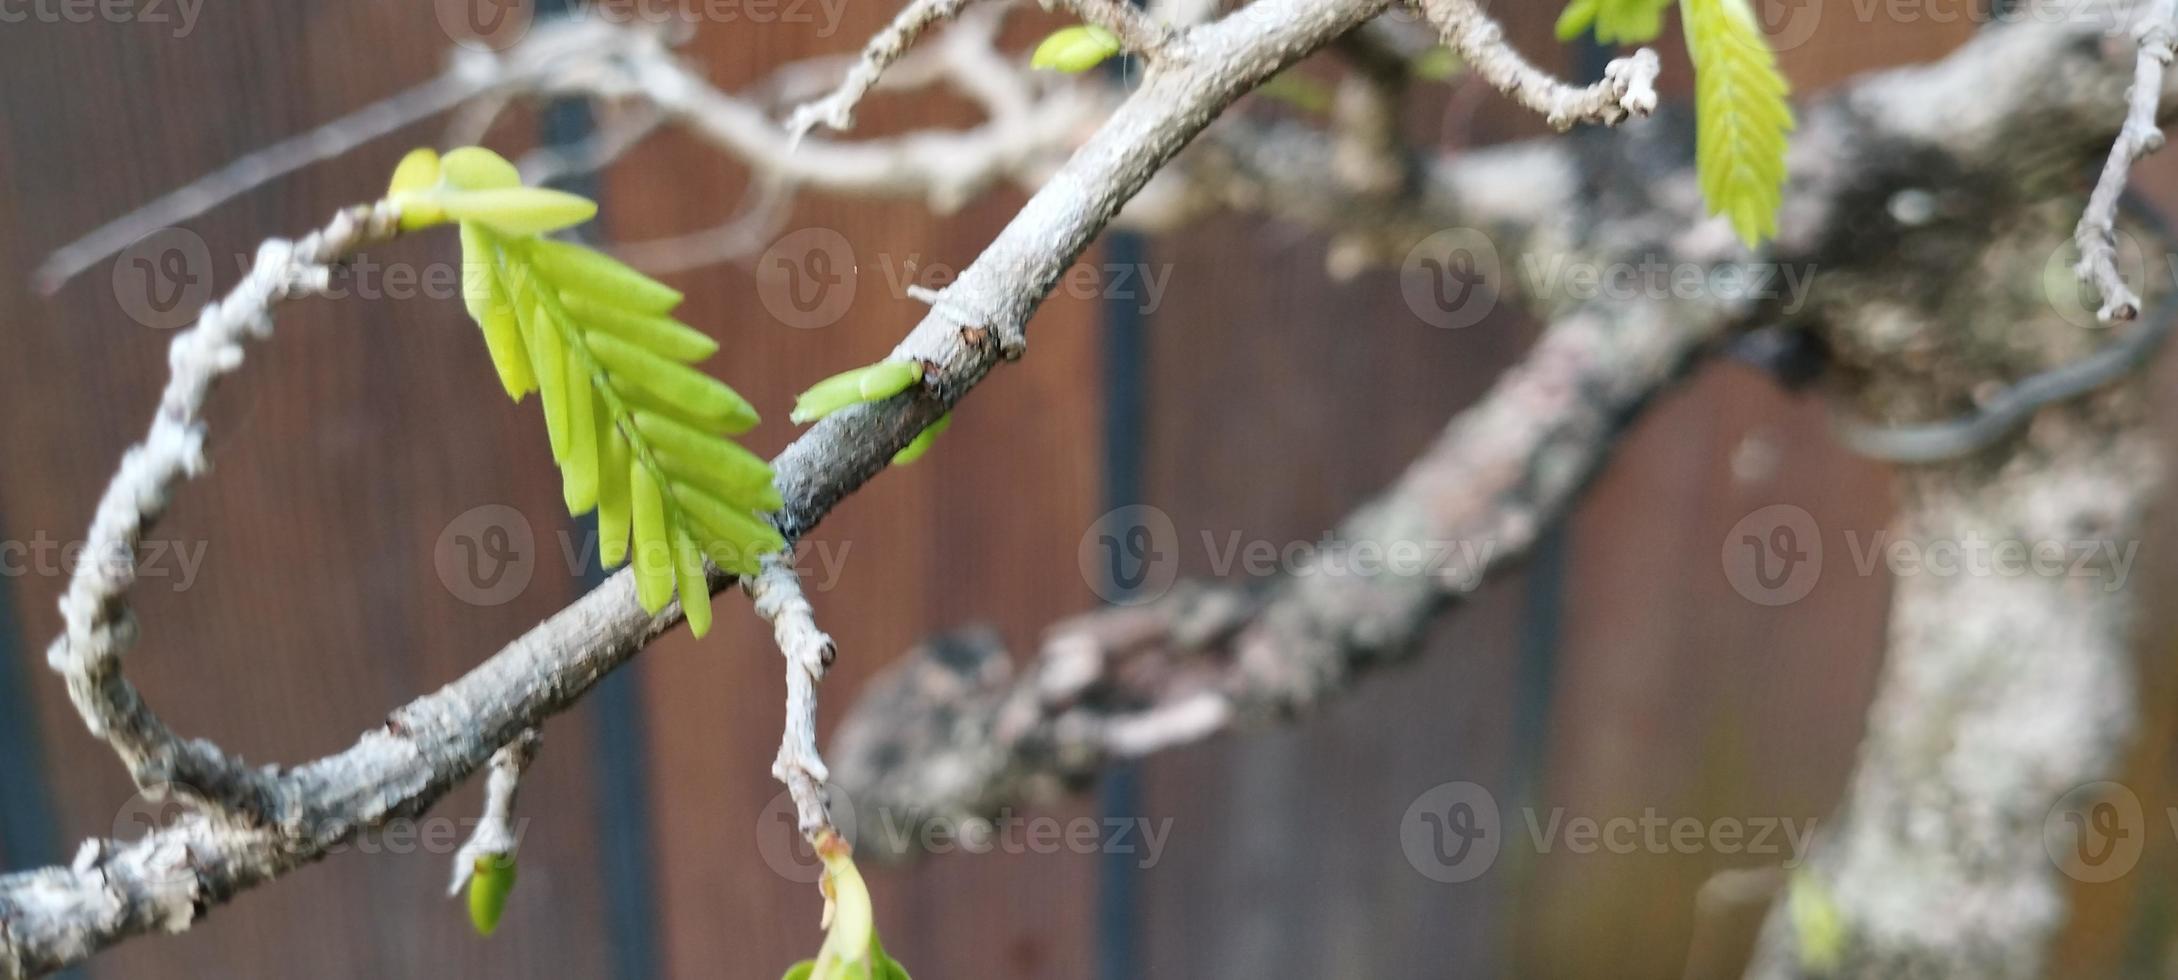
489 887
1075 49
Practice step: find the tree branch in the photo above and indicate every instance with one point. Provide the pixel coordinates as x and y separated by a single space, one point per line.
53 917
2096 236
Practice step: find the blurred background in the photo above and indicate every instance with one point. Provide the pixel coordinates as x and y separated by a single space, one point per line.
1618 675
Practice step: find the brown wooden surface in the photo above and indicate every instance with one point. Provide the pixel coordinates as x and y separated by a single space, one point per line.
1278 400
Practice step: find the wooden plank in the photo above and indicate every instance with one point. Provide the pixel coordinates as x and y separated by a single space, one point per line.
317 606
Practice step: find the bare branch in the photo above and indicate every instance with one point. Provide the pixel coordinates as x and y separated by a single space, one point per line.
98 625
809 652
2096 236
1628 87
495 835
837 110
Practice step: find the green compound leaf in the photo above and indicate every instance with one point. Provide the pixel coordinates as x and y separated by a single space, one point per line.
489 886
1615 21
639 434
869 383
1741 115
1075 49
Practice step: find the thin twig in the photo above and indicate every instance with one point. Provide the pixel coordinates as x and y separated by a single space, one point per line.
98 625
778 598
495 835
837 110
1628 87
2096 236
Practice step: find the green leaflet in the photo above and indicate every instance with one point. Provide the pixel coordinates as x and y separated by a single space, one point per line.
663 335
1075 49
1615 21
698 394
869 383
639 434
1741 115
610 281
489 886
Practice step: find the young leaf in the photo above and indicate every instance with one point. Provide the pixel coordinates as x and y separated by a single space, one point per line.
610 281
474 168
654 577
613 502
638 433
1075 49
851 950
663 335
1615 21
914 450
869 383
493 310
517 210
675 383
1741 115
489 887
